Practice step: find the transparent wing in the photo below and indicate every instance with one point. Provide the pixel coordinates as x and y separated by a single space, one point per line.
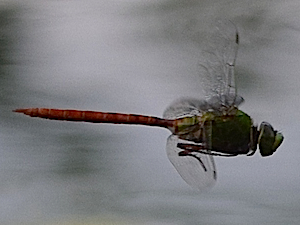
196 169
193 160
217 62
185 107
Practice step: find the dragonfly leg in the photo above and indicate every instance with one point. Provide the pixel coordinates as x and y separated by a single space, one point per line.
251 153
190 153
189 148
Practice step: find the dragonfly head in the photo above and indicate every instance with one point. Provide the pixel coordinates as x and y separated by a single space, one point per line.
269 139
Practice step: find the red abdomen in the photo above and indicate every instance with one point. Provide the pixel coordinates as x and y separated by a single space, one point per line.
96 117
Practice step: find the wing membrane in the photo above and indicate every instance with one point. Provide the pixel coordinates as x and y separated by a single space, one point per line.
216 65
185 107
196 169
193 160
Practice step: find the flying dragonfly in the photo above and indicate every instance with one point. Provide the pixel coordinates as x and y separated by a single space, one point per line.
201 128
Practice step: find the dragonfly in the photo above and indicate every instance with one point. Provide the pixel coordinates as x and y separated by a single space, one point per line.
201 128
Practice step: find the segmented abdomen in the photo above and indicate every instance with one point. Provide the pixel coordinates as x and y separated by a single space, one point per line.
96 117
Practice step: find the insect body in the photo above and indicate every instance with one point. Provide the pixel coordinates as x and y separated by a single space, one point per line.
200 129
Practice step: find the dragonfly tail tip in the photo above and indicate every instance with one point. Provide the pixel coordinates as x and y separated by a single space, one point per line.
20 110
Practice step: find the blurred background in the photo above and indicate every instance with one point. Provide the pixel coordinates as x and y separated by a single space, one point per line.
134 56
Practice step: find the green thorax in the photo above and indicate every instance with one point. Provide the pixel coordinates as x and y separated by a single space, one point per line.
230 133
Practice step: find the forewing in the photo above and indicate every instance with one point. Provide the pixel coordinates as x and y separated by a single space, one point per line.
217 62
197 169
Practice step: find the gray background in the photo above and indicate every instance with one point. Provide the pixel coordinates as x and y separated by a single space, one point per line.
129 56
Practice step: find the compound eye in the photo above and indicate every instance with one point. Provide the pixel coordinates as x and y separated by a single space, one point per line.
269 139
278 140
